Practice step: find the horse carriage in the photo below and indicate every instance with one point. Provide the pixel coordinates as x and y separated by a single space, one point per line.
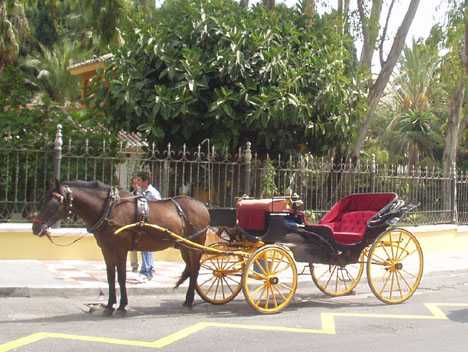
260 242
259 251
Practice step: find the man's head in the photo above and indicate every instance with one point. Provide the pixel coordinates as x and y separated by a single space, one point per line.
136 183
145 179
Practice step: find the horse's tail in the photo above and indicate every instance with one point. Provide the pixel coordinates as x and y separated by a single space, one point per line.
185 275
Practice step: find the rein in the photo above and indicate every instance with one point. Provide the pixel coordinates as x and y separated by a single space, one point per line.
51 240
112 198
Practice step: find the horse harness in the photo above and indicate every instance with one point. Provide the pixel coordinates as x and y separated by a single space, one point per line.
113 197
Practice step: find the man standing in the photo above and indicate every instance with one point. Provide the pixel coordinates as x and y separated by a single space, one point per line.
150 193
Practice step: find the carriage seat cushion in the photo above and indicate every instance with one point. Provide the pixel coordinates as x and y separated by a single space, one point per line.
352 226
252 213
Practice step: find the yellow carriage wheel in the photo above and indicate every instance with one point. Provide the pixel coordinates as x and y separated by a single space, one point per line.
219 279
269 281
337 280
395 266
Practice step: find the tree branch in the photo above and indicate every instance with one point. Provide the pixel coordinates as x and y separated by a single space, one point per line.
365 36
384 33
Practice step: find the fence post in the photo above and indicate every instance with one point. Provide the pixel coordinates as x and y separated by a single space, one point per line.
453 205
58 151
247 167
373 173
165 184
58 143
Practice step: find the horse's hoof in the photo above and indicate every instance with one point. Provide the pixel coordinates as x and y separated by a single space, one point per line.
121 312
188 305
107 312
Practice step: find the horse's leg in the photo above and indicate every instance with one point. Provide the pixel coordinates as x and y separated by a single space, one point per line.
192 261
110 269
122 278
109 309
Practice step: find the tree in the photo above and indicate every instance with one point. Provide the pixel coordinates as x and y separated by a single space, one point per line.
417 97
234 74
14 30
456 64
376 89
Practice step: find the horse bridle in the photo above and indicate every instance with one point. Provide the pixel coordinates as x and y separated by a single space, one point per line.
66 200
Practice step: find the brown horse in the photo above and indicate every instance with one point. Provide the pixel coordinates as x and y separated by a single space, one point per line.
104 210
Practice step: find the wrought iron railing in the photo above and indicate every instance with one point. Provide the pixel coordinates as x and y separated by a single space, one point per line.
217 178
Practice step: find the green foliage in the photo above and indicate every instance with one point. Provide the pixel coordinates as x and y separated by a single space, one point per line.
43 20
29 120
269 188
212 69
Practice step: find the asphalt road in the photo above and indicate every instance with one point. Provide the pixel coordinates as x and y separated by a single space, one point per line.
435 319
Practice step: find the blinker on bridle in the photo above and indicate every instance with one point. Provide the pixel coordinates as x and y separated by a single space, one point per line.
66 200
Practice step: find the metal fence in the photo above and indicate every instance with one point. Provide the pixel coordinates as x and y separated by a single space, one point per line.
217 178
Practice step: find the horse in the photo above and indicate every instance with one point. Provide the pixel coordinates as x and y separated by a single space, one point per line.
104 209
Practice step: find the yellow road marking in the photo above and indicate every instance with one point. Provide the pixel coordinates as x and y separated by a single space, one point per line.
327 321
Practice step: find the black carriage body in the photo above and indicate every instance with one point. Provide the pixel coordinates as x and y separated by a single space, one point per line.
338 238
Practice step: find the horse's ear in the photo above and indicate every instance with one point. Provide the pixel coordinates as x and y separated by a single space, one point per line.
54 183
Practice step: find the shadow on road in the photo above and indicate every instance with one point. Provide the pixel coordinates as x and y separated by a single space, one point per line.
171 306
460 316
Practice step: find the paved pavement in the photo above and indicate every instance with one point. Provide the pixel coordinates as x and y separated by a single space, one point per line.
65 278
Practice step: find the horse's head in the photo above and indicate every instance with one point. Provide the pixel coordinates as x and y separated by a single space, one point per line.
57 205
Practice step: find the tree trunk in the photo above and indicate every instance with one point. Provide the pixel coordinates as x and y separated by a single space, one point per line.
244 3
309 12
377 89
455 117
453 126
269 4
370 31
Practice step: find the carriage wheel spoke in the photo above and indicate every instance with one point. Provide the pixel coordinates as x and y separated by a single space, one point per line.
407 255
279 292
331 275
398 247
391 285
385 283
278 263
230 278
398 284
227 284
404 249
275 302
324 272
231 265
204 282
404 280
391 244
285 285
222 287
261 295
267 301
217 287
261 267
410 274
385 250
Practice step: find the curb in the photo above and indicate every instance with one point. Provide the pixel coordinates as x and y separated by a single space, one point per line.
65 292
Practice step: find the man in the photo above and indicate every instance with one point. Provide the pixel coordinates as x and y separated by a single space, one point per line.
135 189
150 193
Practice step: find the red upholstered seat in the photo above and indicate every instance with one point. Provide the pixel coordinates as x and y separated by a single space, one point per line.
352 227
348 217
252 213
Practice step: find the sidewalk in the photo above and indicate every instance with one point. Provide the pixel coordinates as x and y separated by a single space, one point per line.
67 278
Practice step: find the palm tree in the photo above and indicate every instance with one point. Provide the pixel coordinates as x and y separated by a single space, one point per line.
14 29
418 98
52 74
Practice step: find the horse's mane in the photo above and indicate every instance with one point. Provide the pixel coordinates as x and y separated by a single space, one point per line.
95 185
